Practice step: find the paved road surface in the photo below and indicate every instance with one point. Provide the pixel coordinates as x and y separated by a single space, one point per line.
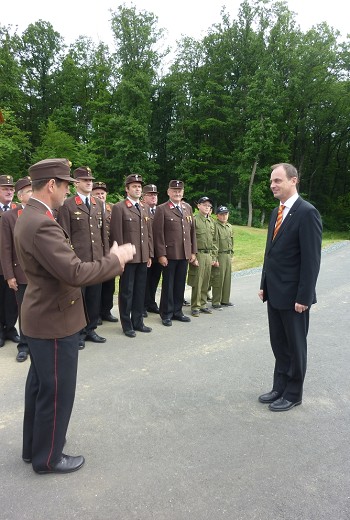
171 427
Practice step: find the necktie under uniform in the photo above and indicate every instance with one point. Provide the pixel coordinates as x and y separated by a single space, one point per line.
87 203
278 220
137 206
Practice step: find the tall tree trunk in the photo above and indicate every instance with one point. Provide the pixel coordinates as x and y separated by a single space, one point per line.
250 205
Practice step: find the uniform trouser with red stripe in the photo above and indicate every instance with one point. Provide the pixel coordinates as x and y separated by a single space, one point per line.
49 398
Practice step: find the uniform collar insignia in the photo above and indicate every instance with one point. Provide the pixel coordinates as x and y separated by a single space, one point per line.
19 212
50 215
78 200
92 200
128 203
171 205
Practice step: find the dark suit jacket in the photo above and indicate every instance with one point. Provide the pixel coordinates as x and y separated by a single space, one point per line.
52 304
9 260
174 233
128 225
292 260
86 229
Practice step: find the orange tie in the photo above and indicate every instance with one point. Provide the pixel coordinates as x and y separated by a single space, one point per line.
278 221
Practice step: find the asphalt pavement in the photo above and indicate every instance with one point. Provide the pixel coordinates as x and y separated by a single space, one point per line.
171 427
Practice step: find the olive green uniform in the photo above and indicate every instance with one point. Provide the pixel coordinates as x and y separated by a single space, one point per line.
221 276
199 277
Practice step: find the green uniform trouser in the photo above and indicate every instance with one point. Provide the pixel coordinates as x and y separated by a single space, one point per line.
199 280
221 279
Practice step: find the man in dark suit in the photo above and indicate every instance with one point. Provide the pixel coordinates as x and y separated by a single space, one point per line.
8 305
53 314
130 222
175 245
12 270
150 197
289 275
82 217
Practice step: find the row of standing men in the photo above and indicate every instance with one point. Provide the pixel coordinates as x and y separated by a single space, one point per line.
166 241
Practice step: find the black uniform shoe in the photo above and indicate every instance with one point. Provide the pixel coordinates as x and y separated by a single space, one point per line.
92 336
153 308
143 328
130 333
81 344
109 317
181 317
229 304
270 397
282 405
21 356
167 322
13 336
67 464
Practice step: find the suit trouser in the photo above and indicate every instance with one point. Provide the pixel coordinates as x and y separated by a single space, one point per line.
92 299
173 288
23 343
107 293
131 298
153 276
8 308
288 333
200 280
49 398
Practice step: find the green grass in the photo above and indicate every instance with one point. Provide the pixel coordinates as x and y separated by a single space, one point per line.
249 245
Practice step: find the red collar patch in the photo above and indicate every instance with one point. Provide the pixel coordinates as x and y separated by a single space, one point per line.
128 203
171 205
92 200
50 215
78 200
19 212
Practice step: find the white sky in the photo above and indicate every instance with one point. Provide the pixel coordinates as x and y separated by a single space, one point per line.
72 18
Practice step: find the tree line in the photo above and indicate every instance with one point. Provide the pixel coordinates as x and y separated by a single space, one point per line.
255 90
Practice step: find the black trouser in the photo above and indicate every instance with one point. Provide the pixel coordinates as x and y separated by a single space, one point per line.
23 343
107 293
173 288
92 299
288 333
49 398
8 309
132 285
153 276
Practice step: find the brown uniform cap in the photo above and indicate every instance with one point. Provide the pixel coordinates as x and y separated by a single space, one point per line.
6 180
22 183
51 169
150 188
99 186
134 177
83 172
176 184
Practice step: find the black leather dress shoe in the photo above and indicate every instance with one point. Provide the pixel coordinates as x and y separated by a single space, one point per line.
181 317
26 460
167 322
13 337
21 356
143 328
282 405
110 317
67 464
92 336
154 309
270 397
130 333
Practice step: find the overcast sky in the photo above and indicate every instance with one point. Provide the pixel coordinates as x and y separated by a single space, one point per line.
72 18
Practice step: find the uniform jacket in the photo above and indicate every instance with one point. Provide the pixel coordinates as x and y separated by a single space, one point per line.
292 260
205 231
130 225
174 232
13 205
53 305
9 260
224 237
86 229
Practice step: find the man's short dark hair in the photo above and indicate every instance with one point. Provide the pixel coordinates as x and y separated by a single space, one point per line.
290 170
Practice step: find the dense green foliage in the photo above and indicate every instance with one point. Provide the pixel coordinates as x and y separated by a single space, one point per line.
254 91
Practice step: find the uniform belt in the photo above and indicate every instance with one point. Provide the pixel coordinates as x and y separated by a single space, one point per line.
230 251
204 251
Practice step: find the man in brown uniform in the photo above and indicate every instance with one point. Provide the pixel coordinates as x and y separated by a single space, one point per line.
53 314
130 222
8 305
99 190
150 197
175 245
12 270
81 216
